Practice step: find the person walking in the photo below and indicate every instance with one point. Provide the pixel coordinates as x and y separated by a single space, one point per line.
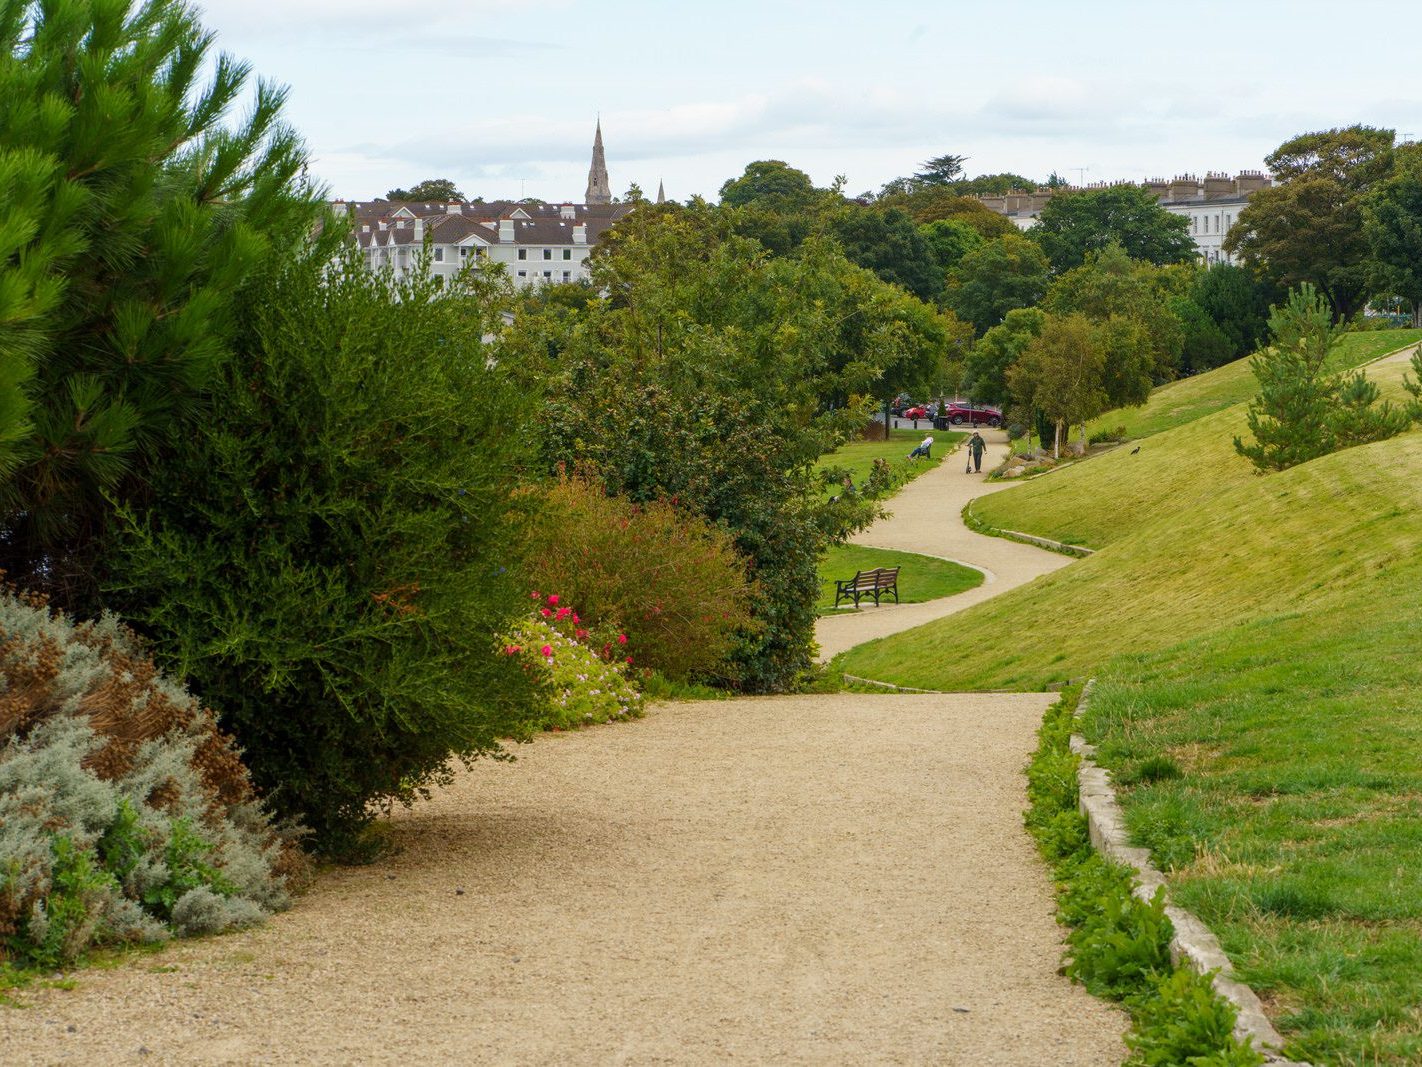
923 449
976 444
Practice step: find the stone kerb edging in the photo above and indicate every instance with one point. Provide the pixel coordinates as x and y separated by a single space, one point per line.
974 523
1192 942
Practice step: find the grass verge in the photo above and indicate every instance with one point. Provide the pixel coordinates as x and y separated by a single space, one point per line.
857 457
920 577
1188 399
1118 945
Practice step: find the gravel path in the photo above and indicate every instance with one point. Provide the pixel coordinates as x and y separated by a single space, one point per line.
812 879
801 880
927 518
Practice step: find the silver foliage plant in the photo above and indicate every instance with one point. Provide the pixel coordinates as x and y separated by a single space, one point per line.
125 815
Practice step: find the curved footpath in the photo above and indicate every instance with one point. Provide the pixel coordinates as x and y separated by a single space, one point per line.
927 518
808 879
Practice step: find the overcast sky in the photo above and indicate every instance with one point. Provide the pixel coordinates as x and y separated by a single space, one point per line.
502 95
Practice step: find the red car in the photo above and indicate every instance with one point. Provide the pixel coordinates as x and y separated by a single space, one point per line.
918 411
971 414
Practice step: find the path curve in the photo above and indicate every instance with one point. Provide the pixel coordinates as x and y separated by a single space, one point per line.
926 517
826 879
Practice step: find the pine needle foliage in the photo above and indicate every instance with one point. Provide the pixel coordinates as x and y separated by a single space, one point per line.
132 216
332 557
1304 410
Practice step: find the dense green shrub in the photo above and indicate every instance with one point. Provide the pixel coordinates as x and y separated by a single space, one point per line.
133 212
125 814
674 582
332 558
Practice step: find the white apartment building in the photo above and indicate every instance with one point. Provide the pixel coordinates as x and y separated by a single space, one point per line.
1212 205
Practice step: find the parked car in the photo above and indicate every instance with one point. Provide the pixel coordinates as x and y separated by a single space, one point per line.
918 411
967 414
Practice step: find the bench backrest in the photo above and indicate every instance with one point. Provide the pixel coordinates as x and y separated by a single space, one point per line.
877 578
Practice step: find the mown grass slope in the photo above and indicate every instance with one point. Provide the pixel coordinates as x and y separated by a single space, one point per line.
1192 398
920 577
1176 473
1257 642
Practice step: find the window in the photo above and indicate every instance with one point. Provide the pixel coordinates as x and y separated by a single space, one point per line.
548 253
439 255
523 274
547 274
567 253
523 253
567 275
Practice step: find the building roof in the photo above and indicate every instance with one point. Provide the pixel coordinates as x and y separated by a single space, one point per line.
532 224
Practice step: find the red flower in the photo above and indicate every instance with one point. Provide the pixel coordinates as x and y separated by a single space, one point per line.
621 639
552 598
512 650
547 650
545 613
629 659
581 634
576 620
563 613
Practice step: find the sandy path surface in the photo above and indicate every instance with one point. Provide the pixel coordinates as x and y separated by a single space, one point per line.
807 879
927 518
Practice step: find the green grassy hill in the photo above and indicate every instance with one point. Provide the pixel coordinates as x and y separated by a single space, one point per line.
1257 642
1176 473
1192 398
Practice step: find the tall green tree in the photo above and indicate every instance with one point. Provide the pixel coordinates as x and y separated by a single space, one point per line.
888 243
990 360
1309 227
772 184
1392 213
1237 302
1111 285
138 216
999 275
1074 224
1061 374
949 240
434 190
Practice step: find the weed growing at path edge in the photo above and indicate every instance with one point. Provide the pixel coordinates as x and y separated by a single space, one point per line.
1119 946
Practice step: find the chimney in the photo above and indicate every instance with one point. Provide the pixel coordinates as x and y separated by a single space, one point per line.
1251 181
383 225
567 211
1184 187
365 227
1218 185
454 207
580 233
506 230
339 209
1157 187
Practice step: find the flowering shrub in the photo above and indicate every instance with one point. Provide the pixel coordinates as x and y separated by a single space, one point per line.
585 670
674 581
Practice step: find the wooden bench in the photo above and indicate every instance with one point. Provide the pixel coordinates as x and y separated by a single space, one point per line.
878 582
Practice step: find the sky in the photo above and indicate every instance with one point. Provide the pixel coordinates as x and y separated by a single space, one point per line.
502 95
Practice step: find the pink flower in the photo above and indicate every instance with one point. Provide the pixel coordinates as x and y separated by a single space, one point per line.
563 613
545 613
552 598
629 659
512 650
536 595
576 620
621 639
547 650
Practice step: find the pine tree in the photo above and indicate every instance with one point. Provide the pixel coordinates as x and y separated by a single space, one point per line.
1302 411
131 218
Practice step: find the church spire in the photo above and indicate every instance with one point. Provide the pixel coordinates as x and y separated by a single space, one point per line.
599 191
661 192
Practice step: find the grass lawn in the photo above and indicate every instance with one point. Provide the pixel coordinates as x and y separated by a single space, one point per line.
1177 473
1191 398
858 456
921 577
1256 643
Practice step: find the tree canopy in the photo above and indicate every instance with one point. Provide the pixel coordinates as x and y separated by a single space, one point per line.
997 276
771 184
433 190
1074 224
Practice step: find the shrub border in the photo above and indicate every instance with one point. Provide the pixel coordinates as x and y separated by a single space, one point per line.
978 525
1192 942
